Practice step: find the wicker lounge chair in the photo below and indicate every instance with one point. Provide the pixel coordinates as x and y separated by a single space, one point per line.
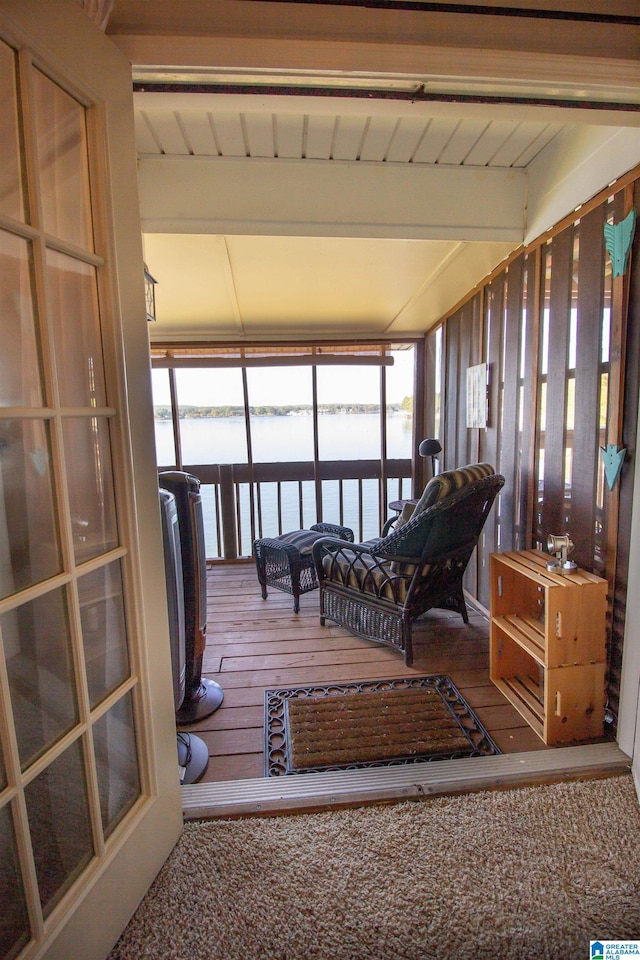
379 589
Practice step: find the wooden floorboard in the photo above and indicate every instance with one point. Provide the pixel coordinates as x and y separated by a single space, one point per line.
254 645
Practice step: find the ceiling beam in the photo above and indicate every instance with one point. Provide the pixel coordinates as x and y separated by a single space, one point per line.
301 22
264 197
448 68
222 95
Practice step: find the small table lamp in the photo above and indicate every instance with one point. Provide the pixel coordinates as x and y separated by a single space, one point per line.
430 448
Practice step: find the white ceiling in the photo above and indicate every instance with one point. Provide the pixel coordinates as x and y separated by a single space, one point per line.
257 286
357 211
185 125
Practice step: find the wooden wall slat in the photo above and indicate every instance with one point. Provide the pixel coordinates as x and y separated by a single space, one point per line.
430 380
528 441
510 391
586 458
629 436
553 512
477 356
619 206
467 439
495 304
449 456
420 394
466 348
430 353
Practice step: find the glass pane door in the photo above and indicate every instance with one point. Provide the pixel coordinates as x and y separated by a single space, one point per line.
69 766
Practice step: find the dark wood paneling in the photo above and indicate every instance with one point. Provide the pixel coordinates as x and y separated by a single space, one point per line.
465 445
419 420
626 482
430 352
451 392
421 473
468 439
510 396
532 507
494 305
477 321
588 357
529 438
553 514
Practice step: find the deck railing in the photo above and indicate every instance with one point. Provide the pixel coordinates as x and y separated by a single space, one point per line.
242 502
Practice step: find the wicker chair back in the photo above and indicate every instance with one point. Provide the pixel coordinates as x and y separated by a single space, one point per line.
378 590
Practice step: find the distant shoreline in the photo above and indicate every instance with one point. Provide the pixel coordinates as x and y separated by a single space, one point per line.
293 410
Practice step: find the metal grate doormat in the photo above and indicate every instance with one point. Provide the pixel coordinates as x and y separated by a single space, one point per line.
369 723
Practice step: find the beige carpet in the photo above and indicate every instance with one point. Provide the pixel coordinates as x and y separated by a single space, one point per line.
517 874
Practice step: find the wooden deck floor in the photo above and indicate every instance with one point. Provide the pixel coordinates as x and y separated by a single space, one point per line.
254 645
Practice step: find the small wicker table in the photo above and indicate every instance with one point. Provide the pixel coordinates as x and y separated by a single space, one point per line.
286 562
398 505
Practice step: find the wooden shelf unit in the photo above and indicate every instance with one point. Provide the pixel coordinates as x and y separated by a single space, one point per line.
548 645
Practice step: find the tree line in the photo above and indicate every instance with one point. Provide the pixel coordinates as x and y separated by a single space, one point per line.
191 413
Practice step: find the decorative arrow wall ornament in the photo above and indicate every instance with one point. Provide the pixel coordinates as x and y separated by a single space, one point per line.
613 458
618 238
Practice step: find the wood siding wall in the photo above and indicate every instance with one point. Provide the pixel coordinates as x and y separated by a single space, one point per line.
560 337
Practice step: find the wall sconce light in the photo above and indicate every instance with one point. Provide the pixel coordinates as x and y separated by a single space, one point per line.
560 547
150 294
430 448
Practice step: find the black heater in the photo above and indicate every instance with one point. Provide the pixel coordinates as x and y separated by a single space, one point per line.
193 755
202 696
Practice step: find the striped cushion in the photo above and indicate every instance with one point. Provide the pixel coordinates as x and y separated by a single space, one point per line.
302 539
364 573
445 483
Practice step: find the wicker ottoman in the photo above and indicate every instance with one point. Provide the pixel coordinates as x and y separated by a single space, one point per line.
286 562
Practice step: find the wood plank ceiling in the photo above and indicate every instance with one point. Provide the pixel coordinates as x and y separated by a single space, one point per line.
231 285
287 196
364 136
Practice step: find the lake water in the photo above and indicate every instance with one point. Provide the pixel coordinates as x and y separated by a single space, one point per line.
279 439
347 436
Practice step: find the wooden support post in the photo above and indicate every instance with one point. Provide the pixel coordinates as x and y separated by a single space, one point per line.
228 509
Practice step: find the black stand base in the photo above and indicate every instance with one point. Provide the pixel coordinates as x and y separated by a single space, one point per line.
193 757
207 698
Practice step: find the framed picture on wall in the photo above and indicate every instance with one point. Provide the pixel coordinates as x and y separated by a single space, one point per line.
477 407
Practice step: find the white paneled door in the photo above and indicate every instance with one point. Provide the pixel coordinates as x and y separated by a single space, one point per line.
89 795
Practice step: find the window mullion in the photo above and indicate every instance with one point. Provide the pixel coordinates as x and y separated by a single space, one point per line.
17 805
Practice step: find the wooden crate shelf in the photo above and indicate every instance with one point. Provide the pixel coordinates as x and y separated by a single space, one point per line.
547 643
526 632
519 692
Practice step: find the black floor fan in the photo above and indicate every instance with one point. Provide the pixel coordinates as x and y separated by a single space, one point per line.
202 696
193 755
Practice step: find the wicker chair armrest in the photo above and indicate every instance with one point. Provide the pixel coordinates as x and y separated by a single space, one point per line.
389 526
334 530
339 562
333 544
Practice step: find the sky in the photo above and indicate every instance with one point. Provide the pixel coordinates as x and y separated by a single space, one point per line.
287 385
